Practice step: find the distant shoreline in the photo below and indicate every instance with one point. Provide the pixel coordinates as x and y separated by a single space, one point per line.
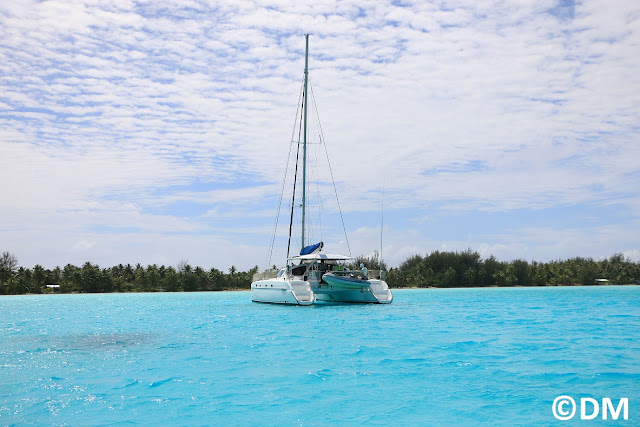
437 270
394 288
518 286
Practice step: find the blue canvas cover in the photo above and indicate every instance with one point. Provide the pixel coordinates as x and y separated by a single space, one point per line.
311 248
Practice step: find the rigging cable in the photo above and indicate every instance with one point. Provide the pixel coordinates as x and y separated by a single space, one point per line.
293 201
315 124
295 179
284 180
335 190
381 223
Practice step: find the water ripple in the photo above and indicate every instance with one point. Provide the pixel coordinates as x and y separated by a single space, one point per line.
455 356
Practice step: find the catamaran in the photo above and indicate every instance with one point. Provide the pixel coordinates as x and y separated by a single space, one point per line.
313 275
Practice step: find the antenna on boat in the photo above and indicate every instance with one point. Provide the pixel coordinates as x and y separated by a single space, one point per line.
304 141
381 223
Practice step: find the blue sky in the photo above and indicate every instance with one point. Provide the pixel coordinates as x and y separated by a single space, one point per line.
155 132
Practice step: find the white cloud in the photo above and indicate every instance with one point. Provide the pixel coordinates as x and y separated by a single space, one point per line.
466 107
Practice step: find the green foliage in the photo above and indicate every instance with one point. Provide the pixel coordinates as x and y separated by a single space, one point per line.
437 269
120 278
371 262
8 266
468 269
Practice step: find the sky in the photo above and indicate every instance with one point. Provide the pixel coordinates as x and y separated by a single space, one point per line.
158 132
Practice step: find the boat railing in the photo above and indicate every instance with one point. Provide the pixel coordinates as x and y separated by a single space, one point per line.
377 274
268 274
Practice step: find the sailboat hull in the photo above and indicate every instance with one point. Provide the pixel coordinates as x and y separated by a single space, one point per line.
282 292
298 292
369 291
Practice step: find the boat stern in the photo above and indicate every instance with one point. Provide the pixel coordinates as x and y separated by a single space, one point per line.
278 291
380 290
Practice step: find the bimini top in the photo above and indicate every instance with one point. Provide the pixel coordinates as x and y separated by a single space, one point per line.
320 256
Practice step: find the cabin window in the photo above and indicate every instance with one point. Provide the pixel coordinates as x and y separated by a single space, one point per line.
299 270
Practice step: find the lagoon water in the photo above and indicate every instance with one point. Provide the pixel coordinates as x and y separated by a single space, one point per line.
433 357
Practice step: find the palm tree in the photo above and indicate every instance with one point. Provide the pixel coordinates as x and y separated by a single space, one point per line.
8 265
38 275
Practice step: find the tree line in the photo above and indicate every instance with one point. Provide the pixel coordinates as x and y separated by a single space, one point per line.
437 269
468 269
121 278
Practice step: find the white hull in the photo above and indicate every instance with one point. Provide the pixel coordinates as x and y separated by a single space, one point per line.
280 291
299 292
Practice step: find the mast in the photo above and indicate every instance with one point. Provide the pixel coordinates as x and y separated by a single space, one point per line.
304 141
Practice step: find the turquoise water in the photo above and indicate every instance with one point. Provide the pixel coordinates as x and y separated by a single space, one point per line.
457 356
